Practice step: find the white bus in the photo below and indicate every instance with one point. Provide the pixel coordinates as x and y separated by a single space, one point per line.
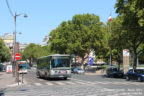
54 66
22 67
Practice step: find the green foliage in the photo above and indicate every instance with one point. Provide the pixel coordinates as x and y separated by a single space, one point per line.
78 36
133 17
4 52
32 52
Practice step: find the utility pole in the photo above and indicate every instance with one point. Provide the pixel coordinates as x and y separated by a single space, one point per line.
14 47
15 66
110 46
110 18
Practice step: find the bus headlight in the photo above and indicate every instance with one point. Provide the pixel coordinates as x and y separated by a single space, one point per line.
68 71
52 72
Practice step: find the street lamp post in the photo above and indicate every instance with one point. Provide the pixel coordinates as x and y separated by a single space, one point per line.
110 19
15 67
110 46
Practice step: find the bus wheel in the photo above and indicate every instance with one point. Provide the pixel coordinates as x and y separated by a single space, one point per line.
45 77
38 74
65 78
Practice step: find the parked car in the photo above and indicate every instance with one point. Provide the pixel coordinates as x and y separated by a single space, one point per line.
78 70
114 72
1 67
72 69
137 74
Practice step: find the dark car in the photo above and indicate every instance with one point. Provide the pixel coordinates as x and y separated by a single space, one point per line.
72 69
137 74
114 72
1 67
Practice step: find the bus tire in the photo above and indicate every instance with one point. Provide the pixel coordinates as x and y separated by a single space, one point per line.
38 74
45 77
65 78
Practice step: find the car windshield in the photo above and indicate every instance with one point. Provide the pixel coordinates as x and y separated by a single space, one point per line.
115 69
60 62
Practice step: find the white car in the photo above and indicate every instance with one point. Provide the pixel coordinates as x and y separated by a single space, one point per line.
78 71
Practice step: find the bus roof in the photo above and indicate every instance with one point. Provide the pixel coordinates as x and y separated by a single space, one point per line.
55 55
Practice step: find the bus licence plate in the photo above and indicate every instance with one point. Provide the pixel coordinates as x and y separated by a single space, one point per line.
63 72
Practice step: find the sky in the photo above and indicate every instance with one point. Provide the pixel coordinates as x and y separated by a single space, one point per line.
46 15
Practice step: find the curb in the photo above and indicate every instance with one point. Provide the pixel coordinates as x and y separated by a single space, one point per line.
95 73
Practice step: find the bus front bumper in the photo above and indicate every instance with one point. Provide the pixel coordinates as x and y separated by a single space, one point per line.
60 76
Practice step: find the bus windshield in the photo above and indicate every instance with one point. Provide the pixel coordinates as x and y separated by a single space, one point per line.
22 66
62 61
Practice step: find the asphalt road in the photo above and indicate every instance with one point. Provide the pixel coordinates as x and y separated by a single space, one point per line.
78 85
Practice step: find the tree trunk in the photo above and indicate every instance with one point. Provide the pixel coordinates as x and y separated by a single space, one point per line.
119 61
135 60
83 63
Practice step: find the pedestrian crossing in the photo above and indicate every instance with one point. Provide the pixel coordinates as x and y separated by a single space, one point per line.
82 82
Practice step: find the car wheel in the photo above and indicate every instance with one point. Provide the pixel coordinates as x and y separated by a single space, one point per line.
38 74
45 77
139 79
127 78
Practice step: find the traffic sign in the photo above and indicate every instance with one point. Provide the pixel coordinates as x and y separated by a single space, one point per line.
90 61
17 56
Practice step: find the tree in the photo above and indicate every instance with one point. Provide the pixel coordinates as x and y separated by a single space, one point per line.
32 52
132 12
78 36
4 52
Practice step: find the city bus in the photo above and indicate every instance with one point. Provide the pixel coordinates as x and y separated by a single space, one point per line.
22 67
54 66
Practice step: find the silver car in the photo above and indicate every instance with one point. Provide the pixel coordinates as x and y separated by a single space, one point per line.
78 71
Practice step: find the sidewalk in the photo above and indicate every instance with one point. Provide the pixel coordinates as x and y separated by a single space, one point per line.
6 79
98 72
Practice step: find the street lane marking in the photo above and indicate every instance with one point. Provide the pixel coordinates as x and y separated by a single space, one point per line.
41 80
37 84
90 83
59 83
81 82
70 83
48 83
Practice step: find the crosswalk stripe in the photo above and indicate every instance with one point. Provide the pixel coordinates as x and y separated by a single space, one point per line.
90 83
86 83
41 80
37 84
70 83
48 83
81 82
59 83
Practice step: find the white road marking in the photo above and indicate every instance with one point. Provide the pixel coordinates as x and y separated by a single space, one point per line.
59 83
37 84
72 83
81 82
48 83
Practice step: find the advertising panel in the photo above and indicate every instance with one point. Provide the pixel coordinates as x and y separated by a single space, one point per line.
9 68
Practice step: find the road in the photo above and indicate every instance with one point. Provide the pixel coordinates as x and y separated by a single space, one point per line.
78 85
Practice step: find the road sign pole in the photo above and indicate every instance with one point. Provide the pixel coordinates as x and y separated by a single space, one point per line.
17 57
17 76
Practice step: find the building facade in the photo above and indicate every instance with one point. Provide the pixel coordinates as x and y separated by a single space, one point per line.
22 46
45 41
8 40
